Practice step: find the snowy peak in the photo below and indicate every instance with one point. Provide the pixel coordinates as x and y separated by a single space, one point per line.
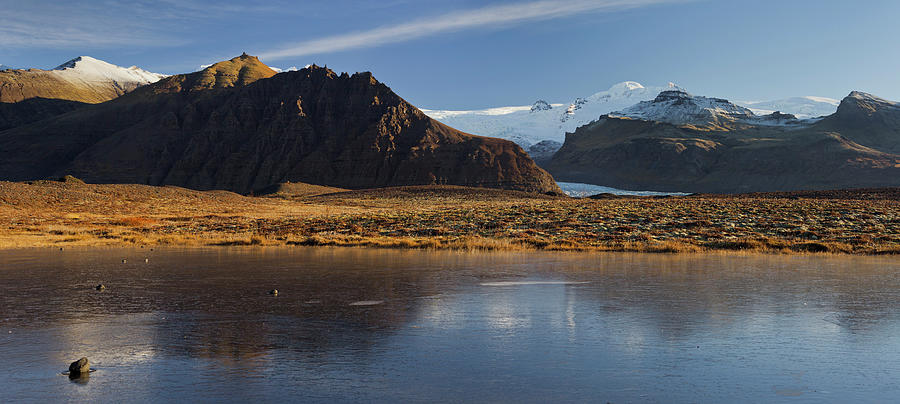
859 96
79 60
621 95
87 68
679 107
82 79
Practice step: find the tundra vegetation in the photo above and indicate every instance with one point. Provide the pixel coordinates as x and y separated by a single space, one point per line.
72 213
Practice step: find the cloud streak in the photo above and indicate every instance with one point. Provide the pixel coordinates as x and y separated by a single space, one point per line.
494 17
115 23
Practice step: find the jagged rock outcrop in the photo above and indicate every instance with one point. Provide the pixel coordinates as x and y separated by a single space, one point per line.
238 126
715 151
541 105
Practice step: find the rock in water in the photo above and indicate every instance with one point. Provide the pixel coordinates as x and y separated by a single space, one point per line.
79 367
100 287
273 292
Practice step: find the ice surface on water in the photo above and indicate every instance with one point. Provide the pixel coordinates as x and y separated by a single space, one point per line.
520 283
367 303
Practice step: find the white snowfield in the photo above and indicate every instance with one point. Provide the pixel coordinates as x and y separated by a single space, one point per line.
90 71
801 107
526 127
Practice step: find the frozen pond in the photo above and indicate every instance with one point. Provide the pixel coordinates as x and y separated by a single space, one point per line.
364 325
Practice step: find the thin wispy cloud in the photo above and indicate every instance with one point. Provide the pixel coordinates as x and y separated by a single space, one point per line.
112 23
493 17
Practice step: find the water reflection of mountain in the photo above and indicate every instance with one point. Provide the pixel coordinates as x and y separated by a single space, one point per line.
213 304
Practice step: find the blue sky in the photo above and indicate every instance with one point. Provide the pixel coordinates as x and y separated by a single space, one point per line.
465 54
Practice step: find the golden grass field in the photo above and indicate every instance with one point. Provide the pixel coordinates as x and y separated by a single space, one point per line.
71 213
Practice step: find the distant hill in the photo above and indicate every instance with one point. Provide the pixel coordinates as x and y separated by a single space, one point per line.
239 126
681 142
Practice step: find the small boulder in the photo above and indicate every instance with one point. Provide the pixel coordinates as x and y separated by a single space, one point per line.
100 287
80 367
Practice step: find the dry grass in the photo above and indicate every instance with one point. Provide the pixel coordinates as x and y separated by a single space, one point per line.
56 213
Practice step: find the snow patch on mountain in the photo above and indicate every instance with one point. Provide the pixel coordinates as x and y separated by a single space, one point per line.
871 99
89 70
531 124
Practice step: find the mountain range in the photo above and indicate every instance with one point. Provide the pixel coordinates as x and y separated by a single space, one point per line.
242 126
238 125
547 123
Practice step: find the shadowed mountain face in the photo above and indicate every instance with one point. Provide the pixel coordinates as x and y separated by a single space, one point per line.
858 146
238 126
33 110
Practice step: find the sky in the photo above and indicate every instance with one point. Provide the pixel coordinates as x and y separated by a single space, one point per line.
466 54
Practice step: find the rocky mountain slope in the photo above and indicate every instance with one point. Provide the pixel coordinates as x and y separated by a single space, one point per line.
237 125
679 142
32 95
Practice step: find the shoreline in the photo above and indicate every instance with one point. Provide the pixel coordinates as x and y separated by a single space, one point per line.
68 214
467 245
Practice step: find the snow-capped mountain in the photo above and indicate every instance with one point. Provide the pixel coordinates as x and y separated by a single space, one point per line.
679 107
531 124
83 79
90 70
5 67
802 107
